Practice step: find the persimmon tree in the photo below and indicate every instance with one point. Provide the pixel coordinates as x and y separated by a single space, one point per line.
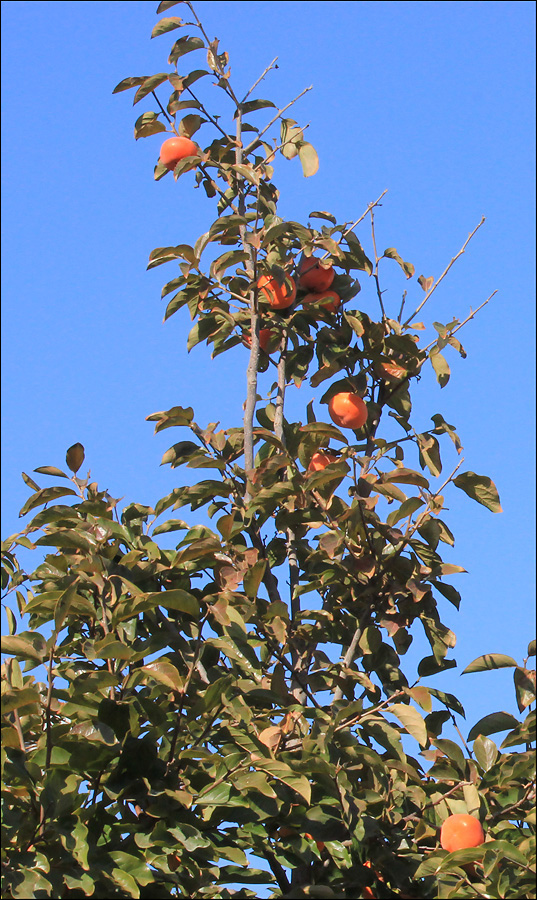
223 704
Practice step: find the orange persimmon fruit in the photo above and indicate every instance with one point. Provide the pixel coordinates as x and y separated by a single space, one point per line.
329 299
461 831
266 335
347 410
313 276
309 837
320 460
175 149
280 296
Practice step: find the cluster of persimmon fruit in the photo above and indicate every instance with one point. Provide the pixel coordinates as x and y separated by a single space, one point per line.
346 409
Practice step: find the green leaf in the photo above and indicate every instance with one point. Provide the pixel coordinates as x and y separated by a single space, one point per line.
177 415
531 648
110 648
443 427
51 470
253 578
440 366
166 4
486 752
165 25
170 525
248 173
284 773
147 124
429 454
321 214
231 258
25 646
498 721
178 454
406 509
166 254
31 883
308 158
165 673
16 699
215 796
525 687
449 700
190 124
63 606
128 83
408 268
490 661
125 881
149 85
176 599
75 457
405 476
95 731
480 488
184 45
29 481
290 136
252 105
411 720
358 259
453 752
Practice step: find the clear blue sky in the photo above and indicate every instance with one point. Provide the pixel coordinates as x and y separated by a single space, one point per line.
432 100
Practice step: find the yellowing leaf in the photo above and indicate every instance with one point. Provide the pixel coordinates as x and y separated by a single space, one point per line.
411 720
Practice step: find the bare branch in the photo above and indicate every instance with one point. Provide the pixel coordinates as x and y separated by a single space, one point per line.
376 272
467 319
444 273
252 144
267 70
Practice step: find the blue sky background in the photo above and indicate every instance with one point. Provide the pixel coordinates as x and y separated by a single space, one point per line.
432 100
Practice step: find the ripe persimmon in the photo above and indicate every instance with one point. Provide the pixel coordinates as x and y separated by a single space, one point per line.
347 410
280 296
320 460
329 299
320 844
175 149
461 831
313 276
266 335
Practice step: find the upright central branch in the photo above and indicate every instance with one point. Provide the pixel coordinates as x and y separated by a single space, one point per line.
251 372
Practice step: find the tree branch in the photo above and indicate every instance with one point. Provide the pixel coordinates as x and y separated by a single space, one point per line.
444 273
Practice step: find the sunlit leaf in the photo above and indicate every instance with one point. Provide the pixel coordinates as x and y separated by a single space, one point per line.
166 25
491 724
480 488
490 661
308 158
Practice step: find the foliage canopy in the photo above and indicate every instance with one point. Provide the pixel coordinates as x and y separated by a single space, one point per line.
229 692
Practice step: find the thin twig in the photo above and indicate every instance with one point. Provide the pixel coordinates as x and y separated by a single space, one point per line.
217 188
277 116
467 319
349 656
165 114
362 217
376 272
444 273
272 153
267 70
